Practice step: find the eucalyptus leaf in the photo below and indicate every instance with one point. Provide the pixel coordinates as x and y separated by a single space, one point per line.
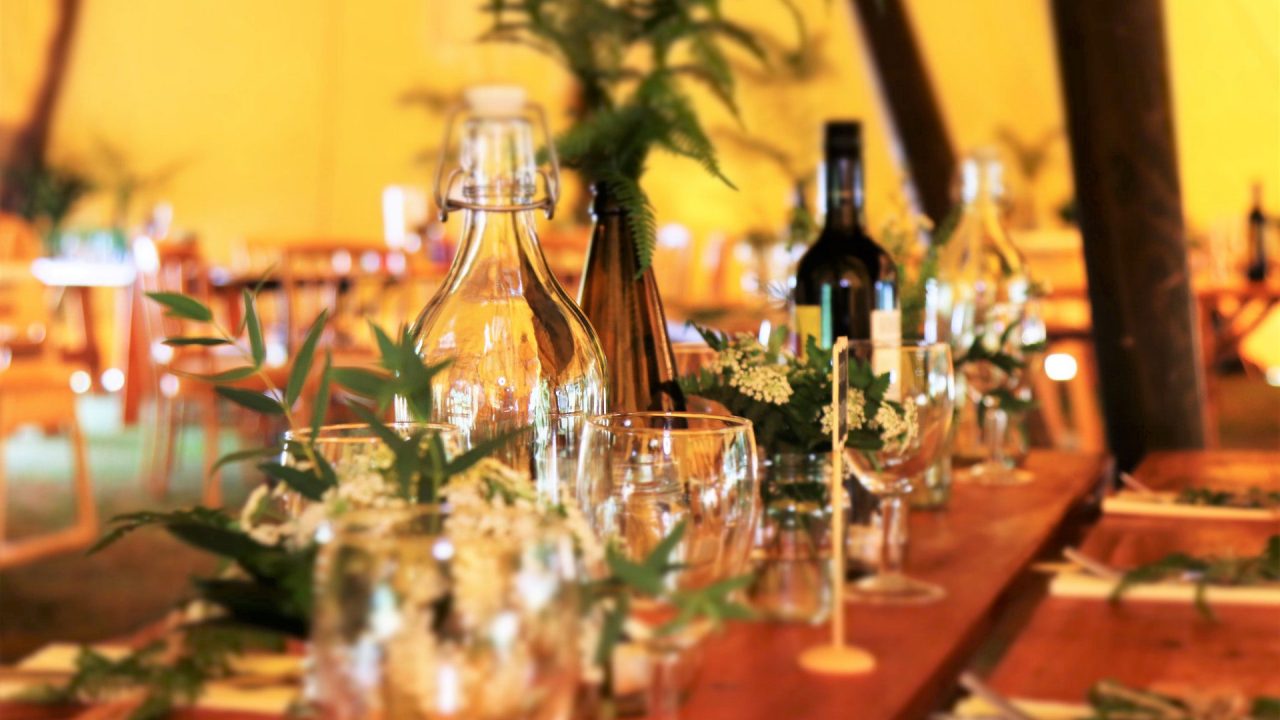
196 341
250 399
257 347
304 359
242 455
308 485
639 576
183 306
321 407
364 382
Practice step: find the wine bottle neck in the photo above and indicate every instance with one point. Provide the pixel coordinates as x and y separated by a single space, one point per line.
843 177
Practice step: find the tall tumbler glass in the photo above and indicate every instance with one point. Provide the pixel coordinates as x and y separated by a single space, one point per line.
415 620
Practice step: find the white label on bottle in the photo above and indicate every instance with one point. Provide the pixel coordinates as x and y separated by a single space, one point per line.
886 329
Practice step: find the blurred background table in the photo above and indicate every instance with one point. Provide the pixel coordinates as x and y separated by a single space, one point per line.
1072 643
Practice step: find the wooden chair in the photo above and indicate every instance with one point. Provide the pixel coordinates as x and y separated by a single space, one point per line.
356 281
35 389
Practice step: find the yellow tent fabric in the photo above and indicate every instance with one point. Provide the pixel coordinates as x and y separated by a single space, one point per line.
285 118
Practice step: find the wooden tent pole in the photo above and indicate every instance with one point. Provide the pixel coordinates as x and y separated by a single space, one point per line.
1115 81
31 142
904 84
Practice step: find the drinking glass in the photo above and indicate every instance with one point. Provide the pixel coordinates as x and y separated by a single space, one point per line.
353 449
416 620
997 329
920 374
644 473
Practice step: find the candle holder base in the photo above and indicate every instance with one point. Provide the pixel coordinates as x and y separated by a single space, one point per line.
837 660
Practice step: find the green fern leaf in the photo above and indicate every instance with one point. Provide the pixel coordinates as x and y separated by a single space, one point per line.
640 217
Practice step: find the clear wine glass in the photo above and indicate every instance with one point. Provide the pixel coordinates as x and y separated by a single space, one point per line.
353 449
640 476
992 363
921 377
416 621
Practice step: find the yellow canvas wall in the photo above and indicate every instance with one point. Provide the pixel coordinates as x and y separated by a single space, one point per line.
285 120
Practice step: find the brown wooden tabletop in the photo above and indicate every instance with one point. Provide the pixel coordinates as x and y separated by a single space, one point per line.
1126 541
1221 469
975 550
1070 643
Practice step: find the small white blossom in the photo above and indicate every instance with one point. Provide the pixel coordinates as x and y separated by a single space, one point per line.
898 427
855 412
766 383
747 367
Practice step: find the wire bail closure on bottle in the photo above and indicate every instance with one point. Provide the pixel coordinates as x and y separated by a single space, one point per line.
445 200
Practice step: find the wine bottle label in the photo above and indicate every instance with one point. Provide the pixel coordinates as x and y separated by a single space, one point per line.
808 323
886 328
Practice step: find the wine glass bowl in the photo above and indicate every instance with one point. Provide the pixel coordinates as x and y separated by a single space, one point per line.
644 473
641 476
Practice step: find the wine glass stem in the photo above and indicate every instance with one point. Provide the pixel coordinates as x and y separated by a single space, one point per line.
664 684
996 424
893 519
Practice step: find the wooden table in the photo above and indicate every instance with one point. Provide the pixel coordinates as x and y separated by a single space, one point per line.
1070 644
1226 469
976 550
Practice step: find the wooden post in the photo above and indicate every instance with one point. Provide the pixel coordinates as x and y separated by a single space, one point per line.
904 84
31 141
1116 85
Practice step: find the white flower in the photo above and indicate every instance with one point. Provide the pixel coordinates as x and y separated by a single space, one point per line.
746 366
855 412
896 426
766 383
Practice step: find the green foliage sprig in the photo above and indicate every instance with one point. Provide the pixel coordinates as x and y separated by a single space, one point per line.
270 589
268 594
1110 700
1205 572
793 426
1254 498
631 62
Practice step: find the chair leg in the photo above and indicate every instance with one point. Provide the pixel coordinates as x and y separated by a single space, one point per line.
212 496
80 534
163 436
178 418
86 504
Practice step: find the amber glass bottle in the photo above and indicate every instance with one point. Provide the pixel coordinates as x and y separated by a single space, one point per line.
626 311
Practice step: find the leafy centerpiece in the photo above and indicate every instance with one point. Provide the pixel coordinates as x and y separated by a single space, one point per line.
264 595
788 398
789 402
